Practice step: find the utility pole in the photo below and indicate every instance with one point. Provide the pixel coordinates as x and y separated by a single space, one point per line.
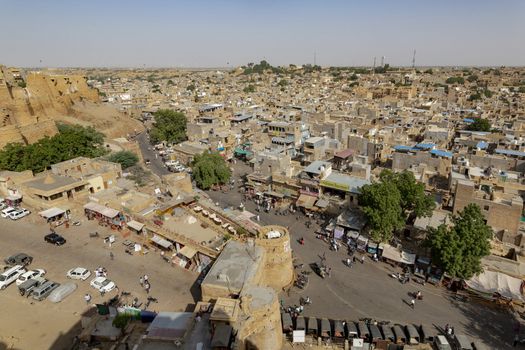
414 60
374 67
315 58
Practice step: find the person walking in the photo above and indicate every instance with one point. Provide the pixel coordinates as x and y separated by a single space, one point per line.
146 278
362 259
141 281
87 298
147 287
111 256
413 303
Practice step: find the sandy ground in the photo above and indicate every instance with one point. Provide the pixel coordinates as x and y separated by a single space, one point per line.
29 324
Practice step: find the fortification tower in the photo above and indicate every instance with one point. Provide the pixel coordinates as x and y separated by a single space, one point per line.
278 264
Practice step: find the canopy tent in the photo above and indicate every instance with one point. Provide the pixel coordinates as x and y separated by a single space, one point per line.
105 211
497 282
306 201
137 226
397 255
51 213
188 252
161 241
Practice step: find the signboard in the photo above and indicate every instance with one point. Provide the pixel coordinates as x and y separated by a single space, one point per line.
299 336
358 342
335 185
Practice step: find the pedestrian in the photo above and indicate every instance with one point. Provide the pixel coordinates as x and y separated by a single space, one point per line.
362 259
146 278
353 259
87 298
413 303
102 292
516 340
111 256
147 286
141 281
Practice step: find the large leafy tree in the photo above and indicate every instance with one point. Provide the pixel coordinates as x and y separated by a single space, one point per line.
125 158
459 249
210 169
72 141
479 124
414 201
381 205
387 204
169 126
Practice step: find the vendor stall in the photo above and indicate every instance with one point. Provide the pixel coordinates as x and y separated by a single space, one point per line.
54 214
135 226
104 215
397 256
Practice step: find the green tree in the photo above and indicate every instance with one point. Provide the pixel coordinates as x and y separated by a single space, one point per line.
381 203
479 124
475 97
121 320
72 141
125 158
210 169
414 202
190 87
249 89
472 78
429 71
459 249
282 83
169 126
455 80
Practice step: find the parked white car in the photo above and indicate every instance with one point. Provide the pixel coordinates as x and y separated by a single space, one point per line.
30 274
19 213
102 284
10 275
78 273
5 213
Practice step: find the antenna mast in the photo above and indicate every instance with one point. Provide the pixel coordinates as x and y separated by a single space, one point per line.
414 60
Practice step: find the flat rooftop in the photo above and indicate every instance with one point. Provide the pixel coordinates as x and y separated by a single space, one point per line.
237 264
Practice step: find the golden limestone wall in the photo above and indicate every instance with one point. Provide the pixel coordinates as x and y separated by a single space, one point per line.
278 268
27 114
261 329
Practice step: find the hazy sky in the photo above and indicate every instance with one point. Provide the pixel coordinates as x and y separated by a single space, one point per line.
158 33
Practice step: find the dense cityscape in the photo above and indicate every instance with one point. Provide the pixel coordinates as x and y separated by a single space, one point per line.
263 206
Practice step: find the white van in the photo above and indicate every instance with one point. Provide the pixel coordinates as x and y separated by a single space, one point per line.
10 275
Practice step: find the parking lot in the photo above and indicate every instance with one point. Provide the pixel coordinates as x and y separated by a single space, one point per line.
37 325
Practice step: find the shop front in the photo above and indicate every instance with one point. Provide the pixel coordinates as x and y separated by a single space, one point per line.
104 215
55 215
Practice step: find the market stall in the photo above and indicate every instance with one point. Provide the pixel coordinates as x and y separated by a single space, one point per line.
52 215
104 215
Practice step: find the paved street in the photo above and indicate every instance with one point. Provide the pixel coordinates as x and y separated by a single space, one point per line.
368 291
172 286
156 164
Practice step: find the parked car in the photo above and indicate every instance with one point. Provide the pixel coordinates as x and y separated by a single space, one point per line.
18 214
62 292
18 259
10 275
54 238
78 273
28 286
5 212
41 292
30 274
102 284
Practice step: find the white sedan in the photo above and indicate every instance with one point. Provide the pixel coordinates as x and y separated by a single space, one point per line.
30 274
78 273
102 284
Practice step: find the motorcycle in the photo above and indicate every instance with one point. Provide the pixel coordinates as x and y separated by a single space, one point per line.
93 234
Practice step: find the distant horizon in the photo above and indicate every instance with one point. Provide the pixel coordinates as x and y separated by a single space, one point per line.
236 67
230 33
